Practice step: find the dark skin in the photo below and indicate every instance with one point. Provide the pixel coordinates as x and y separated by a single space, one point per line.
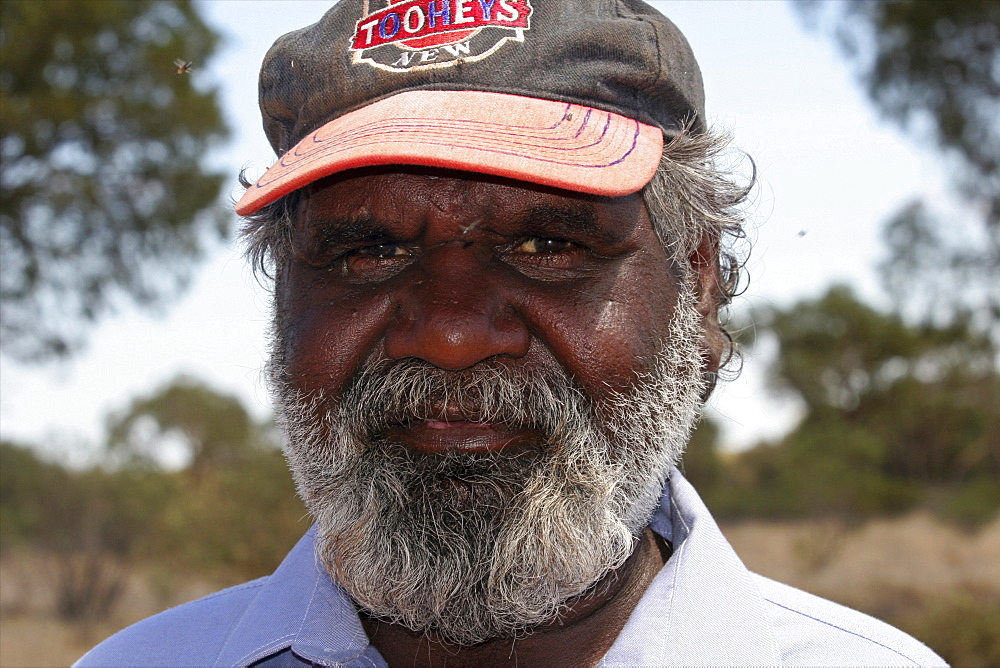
458 269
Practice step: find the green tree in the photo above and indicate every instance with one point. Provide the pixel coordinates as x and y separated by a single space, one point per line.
24 510
930 395
236 513
702 465
234 523
215 429
933 68
230 514
87 524
892 412
104 192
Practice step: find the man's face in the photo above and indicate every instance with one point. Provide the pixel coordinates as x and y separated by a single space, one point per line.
482 383
456 270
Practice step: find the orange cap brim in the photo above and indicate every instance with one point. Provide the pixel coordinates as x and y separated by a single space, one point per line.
551 143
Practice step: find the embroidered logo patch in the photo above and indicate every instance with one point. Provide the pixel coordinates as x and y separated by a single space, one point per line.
419 34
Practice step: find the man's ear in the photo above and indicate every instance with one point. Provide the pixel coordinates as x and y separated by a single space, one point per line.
704 263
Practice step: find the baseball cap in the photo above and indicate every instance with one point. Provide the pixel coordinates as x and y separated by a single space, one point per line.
575 94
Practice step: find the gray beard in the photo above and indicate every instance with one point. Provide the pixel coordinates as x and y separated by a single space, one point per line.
478 546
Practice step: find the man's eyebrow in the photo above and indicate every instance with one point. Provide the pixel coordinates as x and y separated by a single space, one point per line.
343 231
578 218
543 220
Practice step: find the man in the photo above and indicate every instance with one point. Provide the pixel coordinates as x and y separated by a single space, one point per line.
496 234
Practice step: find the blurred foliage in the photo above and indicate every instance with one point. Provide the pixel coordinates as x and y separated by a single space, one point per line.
64 511
90 522
233 523
104 193
24 510
964 628
971 505
230 515
234 513
215 429
701 463
940 268
895 415
933 68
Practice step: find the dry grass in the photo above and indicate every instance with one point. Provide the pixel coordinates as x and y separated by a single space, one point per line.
934 581
913 571
31 633
856 565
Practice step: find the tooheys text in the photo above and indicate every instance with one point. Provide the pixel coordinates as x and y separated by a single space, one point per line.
422 18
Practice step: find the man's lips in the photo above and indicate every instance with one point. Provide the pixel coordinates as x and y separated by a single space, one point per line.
441 436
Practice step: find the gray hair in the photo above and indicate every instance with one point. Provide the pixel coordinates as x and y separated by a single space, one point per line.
692 197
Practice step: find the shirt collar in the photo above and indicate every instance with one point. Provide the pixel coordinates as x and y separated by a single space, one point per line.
703 607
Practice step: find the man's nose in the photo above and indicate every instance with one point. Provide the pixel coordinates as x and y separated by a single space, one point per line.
454 314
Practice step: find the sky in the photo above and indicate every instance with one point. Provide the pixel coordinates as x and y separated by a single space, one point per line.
830 171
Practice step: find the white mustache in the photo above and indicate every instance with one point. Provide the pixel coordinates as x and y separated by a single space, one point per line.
386 394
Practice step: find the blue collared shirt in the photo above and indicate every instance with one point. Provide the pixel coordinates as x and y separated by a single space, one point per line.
703 608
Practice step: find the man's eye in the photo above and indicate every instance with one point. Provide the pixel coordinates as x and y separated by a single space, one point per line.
382 251
544 245
374 262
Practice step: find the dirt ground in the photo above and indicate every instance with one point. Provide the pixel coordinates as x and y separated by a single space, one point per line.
31 634
887 567
912 557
